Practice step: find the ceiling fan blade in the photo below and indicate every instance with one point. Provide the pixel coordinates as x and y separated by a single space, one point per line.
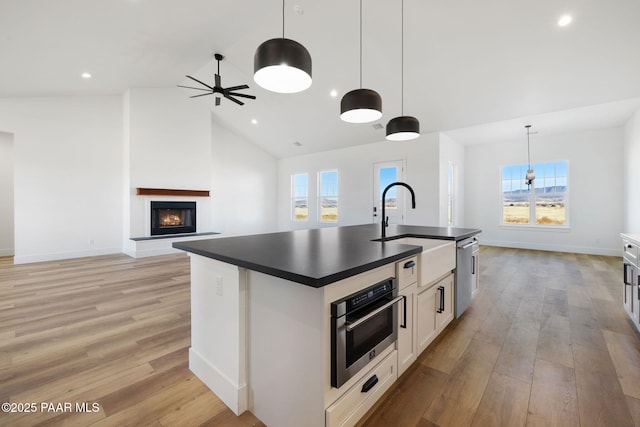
203 84
232 88
233 99
217 101
241 95
203 94
197 88
218 79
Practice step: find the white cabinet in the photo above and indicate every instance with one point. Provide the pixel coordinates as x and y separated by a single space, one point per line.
348 410
407 274
630 279
475 273
426 318
434 311
407 346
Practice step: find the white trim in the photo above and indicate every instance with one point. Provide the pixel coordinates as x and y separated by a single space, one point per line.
233 395
534 227
7 252
27 259
552 247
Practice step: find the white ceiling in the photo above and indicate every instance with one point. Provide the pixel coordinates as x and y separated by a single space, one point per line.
476 69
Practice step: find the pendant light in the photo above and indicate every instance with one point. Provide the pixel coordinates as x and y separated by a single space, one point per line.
530 175
403 128
361 105
282 65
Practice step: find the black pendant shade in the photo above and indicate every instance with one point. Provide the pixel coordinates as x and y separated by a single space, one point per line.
361 106
403 128
282 65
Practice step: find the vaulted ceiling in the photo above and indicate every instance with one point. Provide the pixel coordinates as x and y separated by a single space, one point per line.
468 64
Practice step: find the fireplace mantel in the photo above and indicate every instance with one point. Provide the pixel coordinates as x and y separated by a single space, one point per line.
171 192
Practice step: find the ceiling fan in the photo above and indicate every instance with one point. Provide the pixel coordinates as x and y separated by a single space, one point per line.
228 92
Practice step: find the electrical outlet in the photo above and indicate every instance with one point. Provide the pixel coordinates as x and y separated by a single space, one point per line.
219 285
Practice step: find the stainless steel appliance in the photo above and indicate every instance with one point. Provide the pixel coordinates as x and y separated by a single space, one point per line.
466 274
362 325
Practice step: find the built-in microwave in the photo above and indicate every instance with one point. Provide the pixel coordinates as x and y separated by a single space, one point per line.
362 326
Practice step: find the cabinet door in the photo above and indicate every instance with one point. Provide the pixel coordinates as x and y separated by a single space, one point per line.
630 284
444 304
426 318
407 351
475 274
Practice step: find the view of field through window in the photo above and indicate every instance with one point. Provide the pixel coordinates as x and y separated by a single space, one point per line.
300 196
328 196
544 202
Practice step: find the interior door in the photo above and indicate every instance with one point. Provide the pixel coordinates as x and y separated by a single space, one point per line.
385 173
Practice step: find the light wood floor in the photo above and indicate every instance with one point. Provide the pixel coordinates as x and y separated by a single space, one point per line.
545 342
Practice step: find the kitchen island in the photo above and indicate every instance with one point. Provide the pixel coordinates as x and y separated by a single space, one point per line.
260 330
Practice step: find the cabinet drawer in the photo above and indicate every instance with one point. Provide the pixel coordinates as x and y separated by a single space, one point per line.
407 272
347 410
630 252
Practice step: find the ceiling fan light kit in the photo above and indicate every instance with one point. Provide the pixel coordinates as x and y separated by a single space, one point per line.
227 92
361 105
402 128
282 65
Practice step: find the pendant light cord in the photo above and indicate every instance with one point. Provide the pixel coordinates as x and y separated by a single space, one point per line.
528 148
402 58
282 18
360 44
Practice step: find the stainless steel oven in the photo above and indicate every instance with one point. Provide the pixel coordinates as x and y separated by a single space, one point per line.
362 326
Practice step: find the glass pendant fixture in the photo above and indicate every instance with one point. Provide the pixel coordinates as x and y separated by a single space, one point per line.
403 128
282 65
361 105
530 175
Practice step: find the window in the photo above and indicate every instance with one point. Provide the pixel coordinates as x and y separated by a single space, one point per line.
543 203
300 197
328 196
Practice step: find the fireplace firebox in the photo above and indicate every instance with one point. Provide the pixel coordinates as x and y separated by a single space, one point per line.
173 218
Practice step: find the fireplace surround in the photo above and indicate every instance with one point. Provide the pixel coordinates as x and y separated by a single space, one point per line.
172 217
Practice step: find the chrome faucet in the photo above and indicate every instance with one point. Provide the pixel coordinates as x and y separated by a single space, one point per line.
385 220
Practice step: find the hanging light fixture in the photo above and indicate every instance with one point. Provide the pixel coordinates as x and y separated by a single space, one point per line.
282 65
361 105
530 175
403 128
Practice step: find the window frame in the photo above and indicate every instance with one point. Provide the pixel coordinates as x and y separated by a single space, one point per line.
321 196
294 197
533 197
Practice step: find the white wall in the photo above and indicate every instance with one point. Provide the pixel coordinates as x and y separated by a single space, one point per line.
595 191
67 175
245 187
6 194
632 175
355 181
168 137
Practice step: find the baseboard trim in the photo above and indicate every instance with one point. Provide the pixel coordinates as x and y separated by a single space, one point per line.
233 395
553 248
28 259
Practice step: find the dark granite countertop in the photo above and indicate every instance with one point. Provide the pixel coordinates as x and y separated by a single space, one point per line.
322 256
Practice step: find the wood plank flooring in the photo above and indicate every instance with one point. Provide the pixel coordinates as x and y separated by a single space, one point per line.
545 342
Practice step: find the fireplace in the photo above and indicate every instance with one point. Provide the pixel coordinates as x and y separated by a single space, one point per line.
173 218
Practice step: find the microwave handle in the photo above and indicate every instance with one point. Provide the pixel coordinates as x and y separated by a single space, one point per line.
351 326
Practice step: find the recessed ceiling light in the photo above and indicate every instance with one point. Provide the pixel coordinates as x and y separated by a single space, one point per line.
333 93
254 121
564 20
86 75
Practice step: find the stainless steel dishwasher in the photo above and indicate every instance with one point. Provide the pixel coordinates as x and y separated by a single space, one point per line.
466 274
